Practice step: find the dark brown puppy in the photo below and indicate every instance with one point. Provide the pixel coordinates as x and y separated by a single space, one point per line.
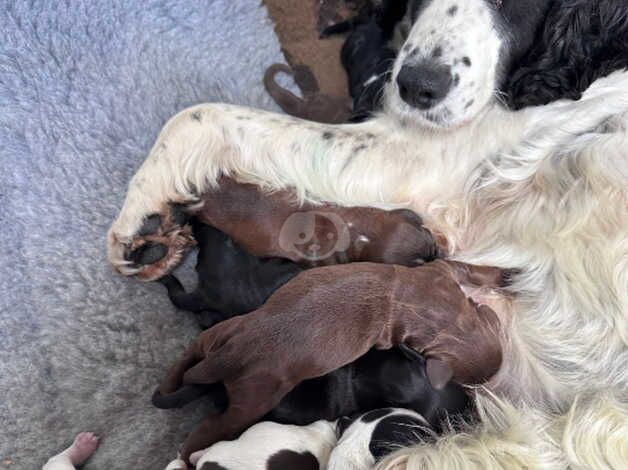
327 317
313 107
274 225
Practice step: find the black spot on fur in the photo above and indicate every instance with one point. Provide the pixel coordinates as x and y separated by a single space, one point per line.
359 148
394 432
437 52
456 79
375 415
151 225
466 61
453 10
291 460
196 115
469 104
328 135
212 466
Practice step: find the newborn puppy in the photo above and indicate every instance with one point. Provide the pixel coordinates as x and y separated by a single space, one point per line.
316 107
366 55
395 377
230 281
326 318
273 225
269 446
368 438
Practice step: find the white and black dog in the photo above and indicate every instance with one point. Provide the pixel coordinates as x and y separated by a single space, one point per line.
352 443
269 446
543 189
365 439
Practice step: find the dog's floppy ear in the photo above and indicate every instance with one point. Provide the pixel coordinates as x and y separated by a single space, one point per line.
439 373
580 41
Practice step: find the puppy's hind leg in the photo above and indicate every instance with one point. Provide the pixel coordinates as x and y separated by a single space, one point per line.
192 302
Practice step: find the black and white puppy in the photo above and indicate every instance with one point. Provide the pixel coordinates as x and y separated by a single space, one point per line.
381 378
269 446
230 280
367 55
366 439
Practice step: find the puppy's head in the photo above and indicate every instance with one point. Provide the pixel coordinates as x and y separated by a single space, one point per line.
397 237
456 56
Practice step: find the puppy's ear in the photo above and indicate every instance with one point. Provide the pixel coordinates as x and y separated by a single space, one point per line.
438 372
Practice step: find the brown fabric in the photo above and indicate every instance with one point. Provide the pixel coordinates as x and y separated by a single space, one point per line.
272 224
327 317
316 62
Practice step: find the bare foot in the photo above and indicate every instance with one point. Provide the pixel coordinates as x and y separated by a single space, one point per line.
82 448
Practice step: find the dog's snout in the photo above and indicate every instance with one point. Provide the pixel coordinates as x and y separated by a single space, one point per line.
424 85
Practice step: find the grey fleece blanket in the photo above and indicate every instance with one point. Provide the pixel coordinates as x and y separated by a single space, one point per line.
85 87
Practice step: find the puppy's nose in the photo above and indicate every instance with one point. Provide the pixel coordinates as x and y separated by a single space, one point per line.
424 85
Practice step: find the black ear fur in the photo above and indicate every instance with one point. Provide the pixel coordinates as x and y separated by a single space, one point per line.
581 41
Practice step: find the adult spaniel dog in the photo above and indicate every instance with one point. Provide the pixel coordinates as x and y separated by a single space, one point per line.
543 189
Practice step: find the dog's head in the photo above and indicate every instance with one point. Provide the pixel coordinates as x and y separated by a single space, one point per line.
456 57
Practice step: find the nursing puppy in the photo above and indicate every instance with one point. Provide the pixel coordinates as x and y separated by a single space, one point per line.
274 225
230 281
397 377
367 56
366 439
269 446
326 318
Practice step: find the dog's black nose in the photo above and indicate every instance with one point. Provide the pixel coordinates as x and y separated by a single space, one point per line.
424 85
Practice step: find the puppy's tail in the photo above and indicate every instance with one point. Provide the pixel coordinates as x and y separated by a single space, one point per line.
192 302
286 100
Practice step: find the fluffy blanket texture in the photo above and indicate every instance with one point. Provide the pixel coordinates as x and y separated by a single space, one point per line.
84 89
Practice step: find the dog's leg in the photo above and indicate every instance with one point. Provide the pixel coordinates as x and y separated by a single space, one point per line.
192 301
198 145
174 378
250 398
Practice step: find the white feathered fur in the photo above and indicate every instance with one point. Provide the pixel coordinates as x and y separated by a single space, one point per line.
543 189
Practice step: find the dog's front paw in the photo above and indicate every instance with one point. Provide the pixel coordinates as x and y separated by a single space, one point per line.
156 248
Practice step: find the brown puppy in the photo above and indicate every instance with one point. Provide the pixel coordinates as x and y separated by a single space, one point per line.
273 225
327 317
313 107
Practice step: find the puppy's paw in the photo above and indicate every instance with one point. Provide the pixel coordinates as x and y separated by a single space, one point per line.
156 248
